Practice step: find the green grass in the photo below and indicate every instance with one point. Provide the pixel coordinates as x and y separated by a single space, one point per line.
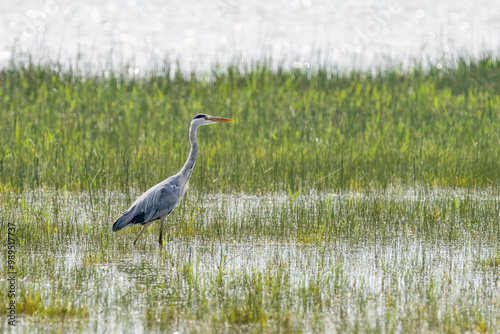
415 260
337 201
310 130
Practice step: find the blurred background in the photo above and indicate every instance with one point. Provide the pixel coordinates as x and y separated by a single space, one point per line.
294 33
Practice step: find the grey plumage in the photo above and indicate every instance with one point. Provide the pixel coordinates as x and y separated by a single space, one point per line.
155 203
161 199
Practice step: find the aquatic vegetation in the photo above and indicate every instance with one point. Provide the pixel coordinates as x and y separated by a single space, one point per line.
339 201
414 259
317 129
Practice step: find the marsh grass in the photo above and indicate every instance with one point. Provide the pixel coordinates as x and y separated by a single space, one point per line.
316 129
337 201
402 259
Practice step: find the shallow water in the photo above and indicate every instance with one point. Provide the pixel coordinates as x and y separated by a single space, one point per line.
394 260
299 33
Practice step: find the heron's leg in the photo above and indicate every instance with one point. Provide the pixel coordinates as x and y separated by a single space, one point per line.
162 220
143 228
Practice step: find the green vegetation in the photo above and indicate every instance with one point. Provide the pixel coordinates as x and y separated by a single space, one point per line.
337 201
318 129
415 260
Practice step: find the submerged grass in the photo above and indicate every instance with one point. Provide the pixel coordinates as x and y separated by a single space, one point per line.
305 129
411 260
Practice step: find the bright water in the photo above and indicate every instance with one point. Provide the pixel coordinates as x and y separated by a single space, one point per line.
399 260
198 34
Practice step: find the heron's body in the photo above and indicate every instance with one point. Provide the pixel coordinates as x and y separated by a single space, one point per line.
159 201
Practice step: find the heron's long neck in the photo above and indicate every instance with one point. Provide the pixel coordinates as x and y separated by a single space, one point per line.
189 165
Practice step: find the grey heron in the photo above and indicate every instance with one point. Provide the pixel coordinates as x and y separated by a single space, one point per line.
161 199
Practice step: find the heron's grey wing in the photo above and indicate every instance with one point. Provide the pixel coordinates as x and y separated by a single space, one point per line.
162 201
155 203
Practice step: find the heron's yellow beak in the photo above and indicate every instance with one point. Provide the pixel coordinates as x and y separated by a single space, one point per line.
220 119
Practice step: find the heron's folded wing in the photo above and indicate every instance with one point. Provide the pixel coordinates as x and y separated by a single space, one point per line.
161 201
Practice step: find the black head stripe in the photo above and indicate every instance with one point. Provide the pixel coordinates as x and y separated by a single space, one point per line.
199 116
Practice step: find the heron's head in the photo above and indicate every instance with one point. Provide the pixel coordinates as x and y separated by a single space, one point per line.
204 119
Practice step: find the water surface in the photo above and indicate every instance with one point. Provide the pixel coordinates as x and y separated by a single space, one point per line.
401 259
299 33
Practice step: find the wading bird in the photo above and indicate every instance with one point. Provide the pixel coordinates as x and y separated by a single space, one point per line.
161 199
